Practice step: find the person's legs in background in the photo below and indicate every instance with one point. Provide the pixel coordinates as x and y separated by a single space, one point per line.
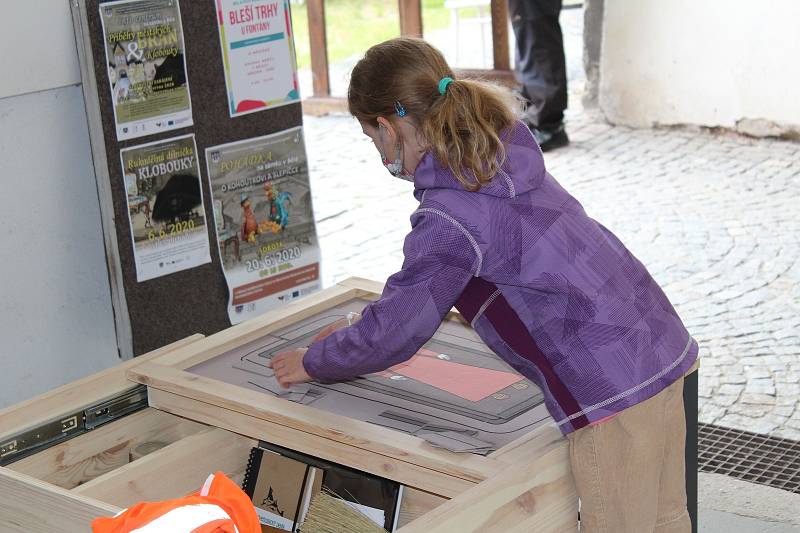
541 67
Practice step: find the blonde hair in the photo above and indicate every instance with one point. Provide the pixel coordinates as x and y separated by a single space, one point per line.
462 127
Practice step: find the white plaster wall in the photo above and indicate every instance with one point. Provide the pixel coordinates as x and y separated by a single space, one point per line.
56 322
38 47
707 62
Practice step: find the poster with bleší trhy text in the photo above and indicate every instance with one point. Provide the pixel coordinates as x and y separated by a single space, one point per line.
264 221
258 54
165 207
146 63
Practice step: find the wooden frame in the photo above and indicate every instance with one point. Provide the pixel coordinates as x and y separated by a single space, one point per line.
532 468
86 457
90 475
72 396
208 425
46 480
321 102
365 446
33 503
33 506
206 451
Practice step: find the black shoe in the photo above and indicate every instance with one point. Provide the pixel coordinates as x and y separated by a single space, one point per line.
550 138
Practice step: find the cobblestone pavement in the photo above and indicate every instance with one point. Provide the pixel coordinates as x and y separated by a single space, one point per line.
711 215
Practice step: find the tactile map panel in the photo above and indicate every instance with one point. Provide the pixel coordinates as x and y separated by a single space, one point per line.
455 392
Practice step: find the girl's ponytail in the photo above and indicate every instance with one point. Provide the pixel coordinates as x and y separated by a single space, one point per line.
461 125
462 128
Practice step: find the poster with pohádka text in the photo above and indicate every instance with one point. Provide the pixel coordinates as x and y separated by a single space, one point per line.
165 207
258 54
265 221
146 61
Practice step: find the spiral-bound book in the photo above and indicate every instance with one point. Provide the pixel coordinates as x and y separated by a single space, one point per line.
282 483
280 488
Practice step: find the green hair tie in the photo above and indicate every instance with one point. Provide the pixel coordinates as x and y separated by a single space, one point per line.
443 83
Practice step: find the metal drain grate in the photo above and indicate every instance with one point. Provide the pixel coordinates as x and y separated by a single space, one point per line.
762 459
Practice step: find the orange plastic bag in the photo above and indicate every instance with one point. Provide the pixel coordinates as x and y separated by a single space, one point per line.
219 507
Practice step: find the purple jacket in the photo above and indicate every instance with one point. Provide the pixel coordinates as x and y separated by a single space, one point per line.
550 290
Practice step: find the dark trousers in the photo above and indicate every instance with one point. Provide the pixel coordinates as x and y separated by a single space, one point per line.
541 66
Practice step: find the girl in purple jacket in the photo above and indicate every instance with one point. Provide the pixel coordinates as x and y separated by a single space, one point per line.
553 292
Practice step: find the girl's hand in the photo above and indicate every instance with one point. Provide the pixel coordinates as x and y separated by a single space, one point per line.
288 367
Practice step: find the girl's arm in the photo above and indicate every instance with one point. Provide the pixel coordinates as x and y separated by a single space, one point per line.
439 262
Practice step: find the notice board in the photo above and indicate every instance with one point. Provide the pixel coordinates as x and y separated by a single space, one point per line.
151 311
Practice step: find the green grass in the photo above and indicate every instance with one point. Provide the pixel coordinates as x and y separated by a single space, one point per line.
355 25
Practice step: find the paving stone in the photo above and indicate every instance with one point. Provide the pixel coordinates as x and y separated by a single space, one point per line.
730 390
784 410
733 379
711 412
723 400
749 411
787 433
762 387
755 400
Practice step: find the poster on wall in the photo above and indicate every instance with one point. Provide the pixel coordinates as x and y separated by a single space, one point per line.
146 61
258 54
165 207
264 221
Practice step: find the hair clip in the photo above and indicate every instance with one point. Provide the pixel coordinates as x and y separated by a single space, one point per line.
443 83
398 107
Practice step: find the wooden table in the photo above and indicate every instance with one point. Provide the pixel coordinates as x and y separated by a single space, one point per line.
85 472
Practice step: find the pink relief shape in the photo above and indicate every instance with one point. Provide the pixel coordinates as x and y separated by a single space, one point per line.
469 382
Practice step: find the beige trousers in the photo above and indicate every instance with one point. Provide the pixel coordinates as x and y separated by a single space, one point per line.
630 471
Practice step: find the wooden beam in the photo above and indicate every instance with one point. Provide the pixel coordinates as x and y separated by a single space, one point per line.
374 288
307 419
33 506
535 495
92 454
504 77
410 17
318 106
319 47
416 503
500 34
348 448
521 449
173 471
325 105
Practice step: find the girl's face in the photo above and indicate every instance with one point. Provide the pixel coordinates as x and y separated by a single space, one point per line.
384 141
392 140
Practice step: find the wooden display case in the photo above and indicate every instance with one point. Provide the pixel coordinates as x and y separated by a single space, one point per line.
62 481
